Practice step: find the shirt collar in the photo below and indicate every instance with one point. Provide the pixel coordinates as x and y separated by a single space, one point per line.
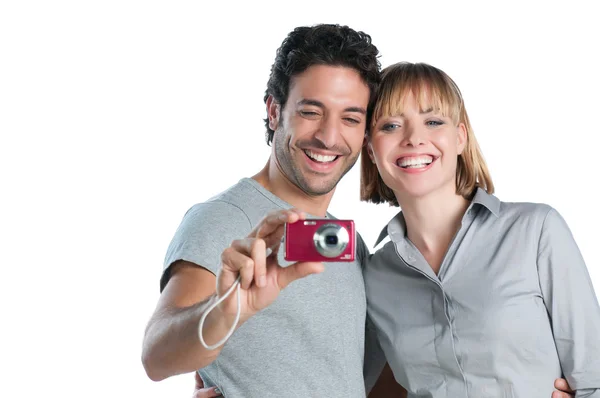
397 226
487 200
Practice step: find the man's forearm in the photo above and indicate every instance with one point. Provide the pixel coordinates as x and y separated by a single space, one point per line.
172 345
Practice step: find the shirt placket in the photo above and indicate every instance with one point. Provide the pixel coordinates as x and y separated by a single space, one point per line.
446 340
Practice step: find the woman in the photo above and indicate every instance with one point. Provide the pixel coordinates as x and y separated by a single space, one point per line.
472 297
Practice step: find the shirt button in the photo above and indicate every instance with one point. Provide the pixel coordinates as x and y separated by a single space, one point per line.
411 258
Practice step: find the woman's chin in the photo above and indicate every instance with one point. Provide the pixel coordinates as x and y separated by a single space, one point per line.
414 191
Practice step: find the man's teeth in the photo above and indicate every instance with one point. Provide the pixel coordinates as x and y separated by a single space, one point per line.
320 158
415 162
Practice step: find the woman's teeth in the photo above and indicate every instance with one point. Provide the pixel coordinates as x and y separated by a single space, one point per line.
415 162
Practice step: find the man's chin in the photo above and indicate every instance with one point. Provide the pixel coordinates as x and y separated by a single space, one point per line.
319 188
318 184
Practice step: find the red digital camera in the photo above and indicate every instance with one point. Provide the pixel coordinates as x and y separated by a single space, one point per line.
320 240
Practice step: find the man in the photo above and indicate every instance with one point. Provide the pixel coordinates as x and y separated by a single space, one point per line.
311 340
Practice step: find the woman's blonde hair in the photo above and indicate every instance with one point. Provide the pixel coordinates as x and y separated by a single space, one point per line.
431 87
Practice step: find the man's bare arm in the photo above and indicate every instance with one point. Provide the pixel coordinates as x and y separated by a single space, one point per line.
171 345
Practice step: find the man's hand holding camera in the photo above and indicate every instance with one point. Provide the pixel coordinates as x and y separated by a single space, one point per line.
262 278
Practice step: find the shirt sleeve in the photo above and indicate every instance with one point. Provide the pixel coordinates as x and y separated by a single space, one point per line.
205 231
572 304
374 356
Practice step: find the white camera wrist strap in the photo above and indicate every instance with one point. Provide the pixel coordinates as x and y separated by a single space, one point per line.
235 285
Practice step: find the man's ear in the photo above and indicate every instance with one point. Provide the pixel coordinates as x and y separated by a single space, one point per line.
273 113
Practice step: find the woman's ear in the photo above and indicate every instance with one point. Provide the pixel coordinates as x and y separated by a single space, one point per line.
461 138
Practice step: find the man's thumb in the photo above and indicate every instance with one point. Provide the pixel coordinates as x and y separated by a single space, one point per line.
296 271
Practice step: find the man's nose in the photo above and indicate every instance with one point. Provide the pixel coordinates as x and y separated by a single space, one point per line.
329 130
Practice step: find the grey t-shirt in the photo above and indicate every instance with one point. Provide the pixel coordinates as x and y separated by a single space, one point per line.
311 341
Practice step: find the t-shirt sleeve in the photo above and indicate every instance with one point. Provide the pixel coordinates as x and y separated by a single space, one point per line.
205 231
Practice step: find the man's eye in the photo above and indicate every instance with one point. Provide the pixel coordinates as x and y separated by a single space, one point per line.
351 120
308 113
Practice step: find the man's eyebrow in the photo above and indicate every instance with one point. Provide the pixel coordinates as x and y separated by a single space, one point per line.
356 109
319 104
311 102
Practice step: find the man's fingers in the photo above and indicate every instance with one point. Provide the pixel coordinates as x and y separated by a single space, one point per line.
564 390
560 394
296 271
275 220
201 392
236 260
562 385
258 252
199 381
207 393
249 256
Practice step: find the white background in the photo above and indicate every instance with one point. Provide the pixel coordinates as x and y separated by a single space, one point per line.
117 116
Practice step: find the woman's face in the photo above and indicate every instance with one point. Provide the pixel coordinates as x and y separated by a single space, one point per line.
416 152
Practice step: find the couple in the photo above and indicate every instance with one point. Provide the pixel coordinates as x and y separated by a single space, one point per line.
472 297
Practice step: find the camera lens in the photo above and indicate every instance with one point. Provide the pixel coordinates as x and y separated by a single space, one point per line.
331 240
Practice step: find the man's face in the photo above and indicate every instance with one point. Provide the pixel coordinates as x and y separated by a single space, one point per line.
320 131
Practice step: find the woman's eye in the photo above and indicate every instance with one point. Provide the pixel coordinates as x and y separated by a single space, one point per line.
389 126
434 123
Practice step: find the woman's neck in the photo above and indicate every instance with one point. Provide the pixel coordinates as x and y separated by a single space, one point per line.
432 222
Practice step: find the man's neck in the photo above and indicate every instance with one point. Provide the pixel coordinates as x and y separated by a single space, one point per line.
274 181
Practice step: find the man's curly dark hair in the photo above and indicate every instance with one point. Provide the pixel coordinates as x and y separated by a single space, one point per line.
325 44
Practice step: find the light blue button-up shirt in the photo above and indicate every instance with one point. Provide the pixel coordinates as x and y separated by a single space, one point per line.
511 309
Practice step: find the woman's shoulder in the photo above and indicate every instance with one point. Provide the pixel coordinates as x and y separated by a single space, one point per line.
525 209
528 215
